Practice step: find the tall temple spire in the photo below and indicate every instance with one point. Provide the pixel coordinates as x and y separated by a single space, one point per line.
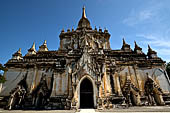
84 22
84 12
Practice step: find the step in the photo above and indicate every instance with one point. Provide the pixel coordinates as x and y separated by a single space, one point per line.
167 102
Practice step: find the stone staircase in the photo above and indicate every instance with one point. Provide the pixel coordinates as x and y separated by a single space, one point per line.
166 98
127 85
3 102
28 102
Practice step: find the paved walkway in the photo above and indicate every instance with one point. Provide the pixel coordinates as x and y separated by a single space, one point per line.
87 111
150 109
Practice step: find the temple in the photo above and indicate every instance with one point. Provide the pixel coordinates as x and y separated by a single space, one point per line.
84 73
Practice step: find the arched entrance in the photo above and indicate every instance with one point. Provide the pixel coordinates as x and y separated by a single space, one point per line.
39 101
86 94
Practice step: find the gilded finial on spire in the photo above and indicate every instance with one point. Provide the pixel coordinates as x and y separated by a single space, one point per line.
17 55
84 13
19 51
33 46
43 47
32 50
45 42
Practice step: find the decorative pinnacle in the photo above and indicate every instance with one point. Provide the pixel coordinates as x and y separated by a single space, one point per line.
33 46
137 47
45 42
19 51
149 48
124 41
84 13
62 30
135 44
95 28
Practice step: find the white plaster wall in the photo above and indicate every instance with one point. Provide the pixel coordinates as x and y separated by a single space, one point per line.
141 76
60 85
13 77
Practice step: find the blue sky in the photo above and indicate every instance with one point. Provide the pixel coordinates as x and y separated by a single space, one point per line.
23 22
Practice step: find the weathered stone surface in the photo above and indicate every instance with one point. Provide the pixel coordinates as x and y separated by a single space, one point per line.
47 79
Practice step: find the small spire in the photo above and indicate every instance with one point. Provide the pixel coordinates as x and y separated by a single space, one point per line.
151 53
149 48
95 28
125 46
84 13
33 46
17 55
32 50
137 49
136 46
100 29
19 51
135 43
124 41
105 30
45 42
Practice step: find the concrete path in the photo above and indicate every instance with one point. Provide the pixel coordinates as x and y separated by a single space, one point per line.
87 111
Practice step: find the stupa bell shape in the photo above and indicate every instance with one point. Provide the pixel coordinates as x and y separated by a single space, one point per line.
137 49
43 47
32 50
125 46
151 53
17 55
84 23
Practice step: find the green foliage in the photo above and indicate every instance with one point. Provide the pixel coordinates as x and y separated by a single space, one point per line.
168 69
2 78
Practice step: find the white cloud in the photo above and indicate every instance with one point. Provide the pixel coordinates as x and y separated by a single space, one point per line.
163 51
138 17
145 14
160 44
155 40
151 23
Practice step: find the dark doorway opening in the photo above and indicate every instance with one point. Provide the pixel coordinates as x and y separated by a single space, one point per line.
39 101
86 94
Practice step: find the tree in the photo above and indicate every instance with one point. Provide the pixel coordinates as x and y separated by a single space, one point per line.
2 69
168 69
